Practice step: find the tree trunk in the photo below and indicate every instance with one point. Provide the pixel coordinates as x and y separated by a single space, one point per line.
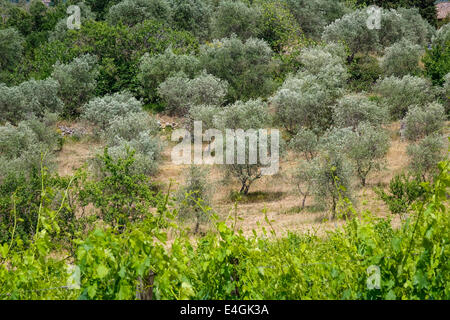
144 290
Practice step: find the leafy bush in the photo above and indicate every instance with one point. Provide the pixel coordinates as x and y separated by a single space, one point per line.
351 110
246 66
367 149
402 58
77 82
403 191
422 121
194 197
131 12
101 111
11 48
154 70
180 93
314 15
305 142
235 17
398 94
425 154
364 71
129 126
192 15
303 102
437 59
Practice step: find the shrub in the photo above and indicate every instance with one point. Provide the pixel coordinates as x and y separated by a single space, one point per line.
397 94
423 121
314 15
252 114
364 71
11 48
101 111
425 154
194 197
235 17
303 102
437 59
351 110
278 26
403 191
203 113
332 179
180 93
305 142
30 98
446 92
191 15
77 82
154 70
367 149
402 58
129 126
131 12
246 66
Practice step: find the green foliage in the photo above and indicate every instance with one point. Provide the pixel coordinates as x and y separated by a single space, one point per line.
421 121
77 82
364 71
235 17
180 93
403 191
194 197
132 12
100 111
11 49
246 66
120 195
351 110
425 154
192 15
367 149
314 15
402 58
437 59
397 94
154 70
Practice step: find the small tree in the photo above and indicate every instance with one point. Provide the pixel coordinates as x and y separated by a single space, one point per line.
351 110
11 48
252 114
246 66
235 17
77 82
100 111
425 154
397 94
154 70
194 197
367 149
423 121
402 58
180 93
131 12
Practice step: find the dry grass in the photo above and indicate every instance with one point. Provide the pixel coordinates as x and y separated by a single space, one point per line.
272 195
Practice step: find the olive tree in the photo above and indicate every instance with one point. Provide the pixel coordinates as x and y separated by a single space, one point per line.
30 98
154 70
425 154
180 92
77 82
194 196
421 121
397 94
131 12
367 148
100 111
252 114
192 15
246 66
353 109
11 48
402 58
302 102
235 17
